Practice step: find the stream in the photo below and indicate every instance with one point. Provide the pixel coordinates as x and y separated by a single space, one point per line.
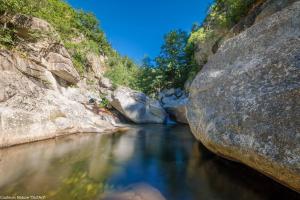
169 159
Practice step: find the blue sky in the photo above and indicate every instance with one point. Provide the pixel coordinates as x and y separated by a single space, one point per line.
136 27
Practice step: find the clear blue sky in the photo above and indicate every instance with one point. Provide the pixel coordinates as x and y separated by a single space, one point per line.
136 27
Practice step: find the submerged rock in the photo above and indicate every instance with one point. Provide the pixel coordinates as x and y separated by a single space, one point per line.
137 107
244 104
140 191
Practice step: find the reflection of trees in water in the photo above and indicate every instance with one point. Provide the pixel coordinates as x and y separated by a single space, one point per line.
160 158
100 165
181 168
167 158
68 167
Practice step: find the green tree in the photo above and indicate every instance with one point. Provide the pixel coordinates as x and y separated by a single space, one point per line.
173 61
170 69
123 71
147 77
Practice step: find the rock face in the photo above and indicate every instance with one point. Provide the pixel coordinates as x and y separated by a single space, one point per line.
62 66
140 191
96 64
244 104
137 107
35 102
45 50
174 101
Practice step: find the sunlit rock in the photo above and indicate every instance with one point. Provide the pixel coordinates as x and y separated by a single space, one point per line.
137 107
244 104
174 101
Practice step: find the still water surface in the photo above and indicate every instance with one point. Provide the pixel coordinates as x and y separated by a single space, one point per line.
166 158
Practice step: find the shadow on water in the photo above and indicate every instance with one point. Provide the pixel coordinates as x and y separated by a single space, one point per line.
166 158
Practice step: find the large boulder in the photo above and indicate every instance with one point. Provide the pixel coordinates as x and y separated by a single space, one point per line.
13 61
45 50
30 112
174 101
59 62
270 7
244 104
96 63
137 107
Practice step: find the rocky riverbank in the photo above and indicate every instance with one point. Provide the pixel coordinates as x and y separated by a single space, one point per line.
41 94
244 104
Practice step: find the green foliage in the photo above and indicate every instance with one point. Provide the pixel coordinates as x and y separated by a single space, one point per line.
123 71
222 16
149 77
201 35
17 6
7 37
104 102
176 63
171 68
69 23
228 12
78 185
172 61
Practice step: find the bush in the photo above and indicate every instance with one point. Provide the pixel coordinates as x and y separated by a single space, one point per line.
122 71
104 102
7 37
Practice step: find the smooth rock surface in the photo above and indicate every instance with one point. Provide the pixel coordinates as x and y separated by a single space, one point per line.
174 101
105 83
46 50
244 104
29 112
96 63
62 67
137 107
35 100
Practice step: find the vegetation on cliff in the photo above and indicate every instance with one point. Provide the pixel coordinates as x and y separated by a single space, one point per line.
176 63
80 32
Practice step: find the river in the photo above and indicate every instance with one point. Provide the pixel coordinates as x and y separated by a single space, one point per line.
90 166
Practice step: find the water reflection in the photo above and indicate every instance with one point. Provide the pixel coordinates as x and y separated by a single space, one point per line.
166 158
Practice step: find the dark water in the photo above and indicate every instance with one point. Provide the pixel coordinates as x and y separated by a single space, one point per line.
166 158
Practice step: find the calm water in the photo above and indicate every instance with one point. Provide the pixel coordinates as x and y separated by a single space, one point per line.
166 158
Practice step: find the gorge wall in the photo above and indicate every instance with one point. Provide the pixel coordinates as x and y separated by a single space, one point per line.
244 104
41 94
